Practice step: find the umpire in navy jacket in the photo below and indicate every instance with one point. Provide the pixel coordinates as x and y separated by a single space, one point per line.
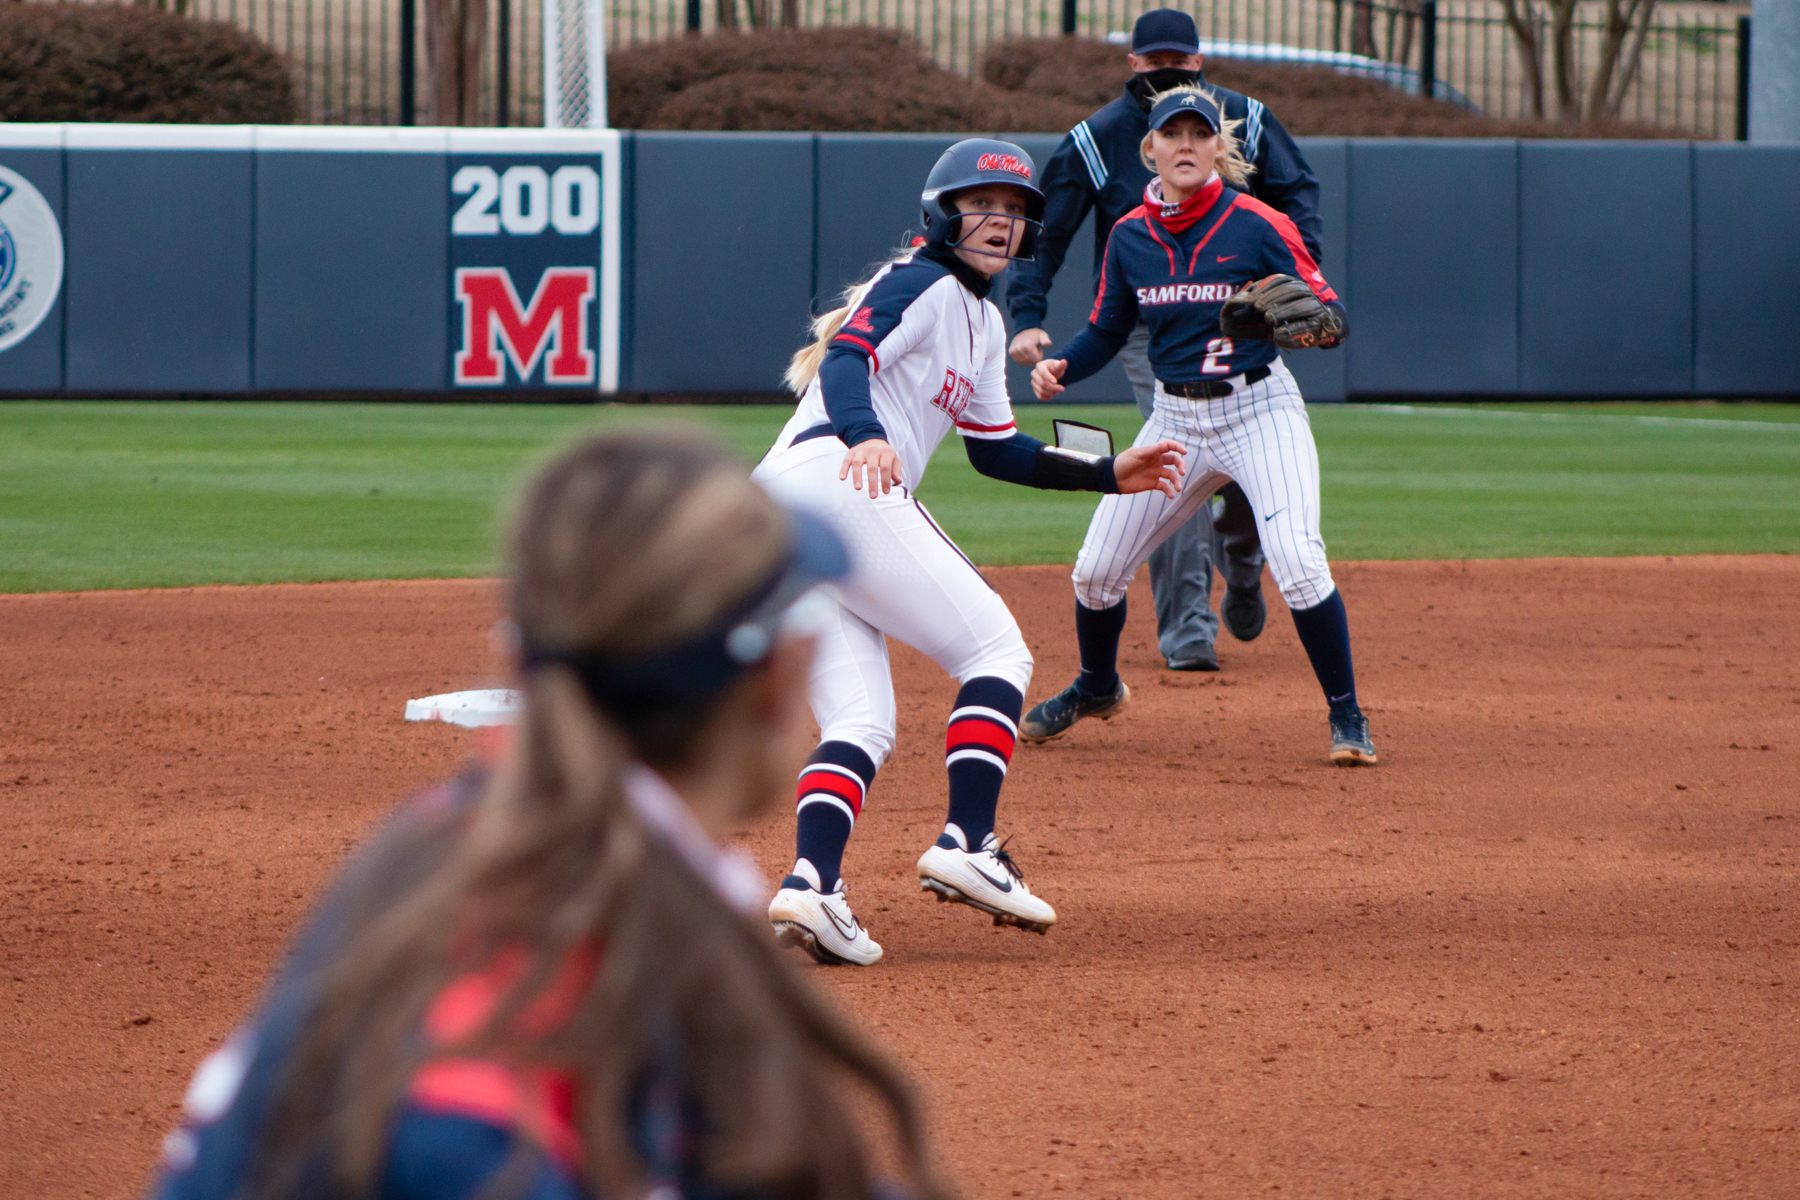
1098 167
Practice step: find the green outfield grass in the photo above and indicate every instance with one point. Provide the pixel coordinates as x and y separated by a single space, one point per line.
117 494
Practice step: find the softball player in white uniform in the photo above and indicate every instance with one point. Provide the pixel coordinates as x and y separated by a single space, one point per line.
1222 280
916 351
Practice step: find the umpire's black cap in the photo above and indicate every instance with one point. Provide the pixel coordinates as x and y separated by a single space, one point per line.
1165 29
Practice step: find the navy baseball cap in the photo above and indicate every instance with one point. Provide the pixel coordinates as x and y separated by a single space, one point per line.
1165 29
1176 103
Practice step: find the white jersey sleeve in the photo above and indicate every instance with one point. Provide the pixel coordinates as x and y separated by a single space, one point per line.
989 414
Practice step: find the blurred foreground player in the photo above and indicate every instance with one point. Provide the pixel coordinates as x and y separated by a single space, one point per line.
547 981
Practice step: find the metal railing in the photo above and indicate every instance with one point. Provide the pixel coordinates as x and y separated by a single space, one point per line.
346 53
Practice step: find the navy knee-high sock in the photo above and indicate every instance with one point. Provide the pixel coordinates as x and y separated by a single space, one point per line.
1097 632
1325 632
830 798
977 748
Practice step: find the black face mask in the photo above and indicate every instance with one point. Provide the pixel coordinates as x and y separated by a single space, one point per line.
1146 84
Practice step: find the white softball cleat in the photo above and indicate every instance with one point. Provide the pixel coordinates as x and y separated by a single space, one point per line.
820 922
987 879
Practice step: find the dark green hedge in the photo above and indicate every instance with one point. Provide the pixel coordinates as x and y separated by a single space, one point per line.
67 62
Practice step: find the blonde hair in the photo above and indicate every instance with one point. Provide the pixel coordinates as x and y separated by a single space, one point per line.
622 545
805 363
1230 163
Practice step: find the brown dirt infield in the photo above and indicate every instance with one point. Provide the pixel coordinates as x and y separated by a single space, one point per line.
1547 948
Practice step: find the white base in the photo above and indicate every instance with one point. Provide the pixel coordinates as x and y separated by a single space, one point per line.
491 706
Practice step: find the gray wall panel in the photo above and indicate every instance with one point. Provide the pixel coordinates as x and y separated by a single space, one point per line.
158 293
1747 245
1433 261
868 190
1605 268
721 290
1323 374
35 364
351 275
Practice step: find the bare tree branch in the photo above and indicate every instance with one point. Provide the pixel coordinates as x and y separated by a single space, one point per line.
1523 22
1634 59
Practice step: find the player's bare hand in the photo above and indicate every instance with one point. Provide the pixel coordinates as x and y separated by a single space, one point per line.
872 464
1027 347
1148 468
1044 377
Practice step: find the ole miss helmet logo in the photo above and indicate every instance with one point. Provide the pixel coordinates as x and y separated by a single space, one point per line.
1002 162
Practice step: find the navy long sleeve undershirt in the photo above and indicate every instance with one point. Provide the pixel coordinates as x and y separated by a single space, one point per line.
1088 351
844 380
1023 459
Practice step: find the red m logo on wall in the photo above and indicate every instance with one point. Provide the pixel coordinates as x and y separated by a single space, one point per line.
493 321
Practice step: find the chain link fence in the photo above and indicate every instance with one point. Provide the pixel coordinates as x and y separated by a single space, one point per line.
346 53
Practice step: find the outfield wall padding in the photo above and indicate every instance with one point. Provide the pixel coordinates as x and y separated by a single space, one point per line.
1432 285
1746 258
1606 259
325 221
158 291
222 260
35 365
723 272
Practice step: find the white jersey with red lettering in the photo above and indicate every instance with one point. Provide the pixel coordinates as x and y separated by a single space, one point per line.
937 362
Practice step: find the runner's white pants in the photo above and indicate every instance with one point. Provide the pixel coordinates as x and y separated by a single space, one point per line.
1258 436
908 581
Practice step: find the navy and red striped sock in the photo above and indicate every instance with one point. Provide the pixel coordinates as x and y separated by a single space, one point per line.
829 799
978 746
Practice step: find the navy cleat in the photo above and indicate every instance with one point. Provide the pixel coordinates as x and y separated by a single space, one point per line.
1052 718
1351 745
1244 612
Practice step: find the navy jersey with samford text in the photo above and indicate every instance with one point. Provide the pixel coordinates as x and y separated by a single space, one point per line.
1176 282
1099 166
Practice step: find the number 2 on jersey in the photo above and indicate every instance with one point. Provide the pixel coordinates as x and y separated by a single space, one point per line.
1215 350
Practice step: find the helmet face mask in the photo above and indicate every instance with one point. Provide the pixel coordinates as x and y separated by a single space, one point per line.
973 163
962 225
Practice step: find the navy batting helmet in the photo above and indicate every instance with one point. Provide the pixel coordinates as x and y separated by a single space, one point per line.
969 164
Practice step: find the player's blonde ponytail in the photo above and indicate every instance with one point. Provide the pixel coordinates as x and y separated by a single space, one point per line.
805 363
1230 163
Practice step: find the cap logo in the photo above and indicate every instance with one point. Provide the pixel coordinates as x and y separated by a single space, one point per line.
1002 162
1187 101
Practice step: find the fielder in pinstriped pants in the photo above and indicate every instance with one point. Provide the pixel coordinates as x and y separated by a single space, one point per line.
1259 436
1181 568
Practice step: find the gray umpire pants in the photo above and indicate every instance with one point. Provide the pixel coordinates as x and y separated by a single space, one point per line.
1222 532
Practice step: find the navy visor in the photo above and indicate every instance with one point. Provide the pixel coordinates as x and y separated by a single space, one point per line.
1169 107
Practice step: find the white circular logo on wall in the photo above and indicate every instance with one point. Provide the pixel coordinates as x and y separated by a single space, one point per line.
31 258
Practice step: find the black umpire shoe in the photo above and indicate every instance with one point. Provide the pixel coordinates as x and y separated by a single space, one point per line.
1244 612
1351 745
1195 658
1052 718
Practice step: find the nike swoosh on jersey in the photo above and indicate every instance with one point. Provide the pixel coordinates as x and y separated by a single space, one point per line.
1004 885
1276 513
1226 257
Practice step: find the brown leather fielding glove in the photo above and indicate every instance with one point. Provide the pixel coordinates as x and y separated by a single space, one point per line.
1284 310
